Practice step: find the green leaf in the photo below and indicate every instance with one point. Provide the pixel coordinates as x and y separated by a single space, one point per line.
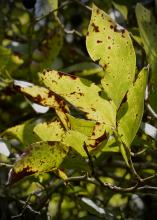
40 157
32 131
49 131
110 45
82 94
130 113
148 30
23 132
8 60
83 131
94 209
75 140
121 7
81 125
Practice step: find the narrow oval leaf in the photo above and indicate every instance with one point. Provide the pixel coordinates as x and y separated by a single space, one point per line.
82 94
110 45
148 30
40 157
130 113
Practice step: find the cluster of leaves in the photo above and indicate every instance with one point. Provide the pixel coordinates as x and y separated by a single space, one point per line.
78 158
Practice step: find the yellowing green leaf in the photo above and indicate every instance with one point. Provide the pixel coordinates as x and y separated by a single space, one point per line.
148 30
46 97
82 94
40 157
130 113
110 45
75 140
30 132
23 132
49 131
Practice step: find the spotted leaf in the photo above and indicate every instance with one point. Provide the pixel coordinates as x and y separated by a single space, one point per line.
110 45
82 94
40 157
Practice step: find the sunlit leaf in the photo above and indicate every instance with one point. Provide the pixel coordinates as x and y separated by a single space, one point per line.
49 131
130 112
148 30
33 131
40 157
48 98
110 45
23 132
82 94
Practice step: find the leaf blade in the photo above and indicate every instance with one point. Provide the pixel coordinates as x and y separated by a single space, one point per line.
110 45
130 113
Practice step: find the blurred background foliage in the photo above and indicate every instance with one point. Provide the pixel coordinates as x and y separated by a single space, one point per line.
38 34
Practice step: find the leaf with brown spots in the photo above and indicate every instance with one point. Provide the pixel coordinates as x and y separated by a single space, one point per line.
82 94
40 157
130 112
48 98
112 47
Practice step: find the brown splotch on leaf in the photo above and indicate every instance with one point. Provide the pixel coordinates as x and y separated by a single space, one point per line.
95 27
16 176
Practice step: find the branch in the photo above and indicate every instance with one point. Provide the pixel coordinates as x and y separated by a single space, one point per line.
53 11
83 5
6 164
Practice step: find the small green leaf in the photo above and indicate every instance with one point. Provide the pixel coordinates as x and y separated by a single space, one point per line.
81 125
121 6
75 140
130 113
32 131
94 209
148 30
82 94
40 157
110 45
23 132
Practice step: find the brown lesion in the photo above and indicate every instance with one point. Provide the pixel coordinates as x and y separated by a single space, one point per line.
99 41
16 176
95 27
61 74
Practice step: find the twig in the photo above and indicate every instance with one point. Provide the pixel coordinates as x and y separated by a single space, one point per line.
6 164
153 113
53 11
26 206
73 31
83 5
138 153
108 185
